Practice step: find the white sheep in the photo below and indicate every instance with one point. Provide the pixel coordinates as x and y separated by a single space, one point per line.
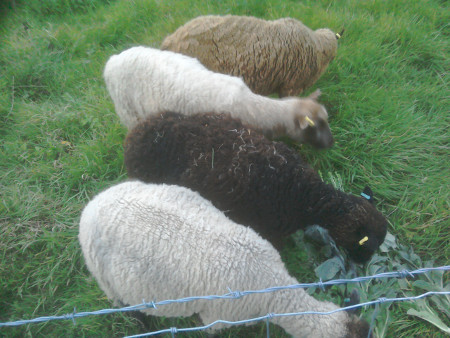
156 242
282 56
145 81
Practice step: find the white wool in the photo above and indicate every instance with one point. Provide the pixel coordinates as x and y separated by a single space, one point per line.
157 242
145 81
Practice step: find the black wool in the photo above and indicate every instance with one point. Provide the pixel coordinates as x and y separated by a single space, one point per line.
257 182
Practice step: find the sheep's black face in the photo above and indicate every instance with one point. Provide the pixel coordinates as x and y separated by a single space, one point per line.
357 328
360 228
319 135
369 231
361 251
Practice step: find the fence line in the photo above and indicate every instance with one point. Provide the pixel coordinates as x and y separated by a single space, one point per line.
272 315
231 295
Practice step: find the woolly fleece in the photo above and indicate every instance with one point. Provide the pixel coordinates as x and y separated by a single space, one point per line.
282 56
255 181
156 242
144 81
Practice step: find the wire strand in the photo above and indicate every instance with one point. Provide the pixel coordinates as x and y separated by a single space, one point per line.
238 294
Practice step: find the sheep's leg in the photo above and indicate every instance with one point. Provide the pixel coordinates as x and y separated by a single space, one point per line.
145 321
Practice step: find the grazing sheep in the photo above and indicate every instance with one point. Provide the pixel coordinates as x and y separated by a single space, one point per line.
282 56
156 242
145 81
255 181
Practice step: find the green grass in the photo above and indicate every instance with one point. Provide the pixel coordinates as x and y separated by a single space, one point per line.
61 141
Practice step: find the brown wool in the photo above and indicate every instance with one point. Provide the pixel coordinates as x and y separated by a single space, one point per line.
282 56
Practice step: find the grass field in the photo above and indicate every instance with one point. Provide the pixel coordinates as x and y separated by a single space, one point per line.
61 143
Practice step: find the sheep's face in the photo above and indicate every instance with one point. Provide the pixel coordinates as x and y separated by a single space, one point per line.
357 327
318 134
311 125
327 46
368 233
360 230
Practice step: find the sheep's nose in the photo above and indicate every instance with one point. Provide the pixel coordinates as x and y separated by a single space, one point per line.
327 143
330 142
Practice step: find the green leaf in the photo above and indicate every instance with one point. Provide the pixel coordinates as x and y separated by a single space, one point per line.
389 243
383 323
317 234
431 318
403 284
424 285
328 269
376 259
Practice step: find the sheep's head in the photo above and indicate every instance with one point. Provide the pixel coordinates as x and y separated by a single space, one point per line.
311 123
361 229
326 42
357 328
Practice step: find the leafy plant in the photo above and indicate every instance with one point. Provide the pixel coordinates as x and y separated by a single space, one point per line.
391 257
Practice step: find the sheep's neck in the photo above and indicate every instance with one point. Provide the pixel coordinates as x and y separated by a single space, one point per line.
270 115
325 203
316 202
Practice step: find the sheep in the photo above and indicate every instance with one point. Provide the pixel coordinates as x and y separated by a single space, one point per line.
149 241
257 182
282 56
145 81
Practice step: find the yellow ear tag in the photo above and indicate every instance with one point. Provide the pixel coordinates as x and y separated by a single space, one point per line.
311 122
338 36
364 240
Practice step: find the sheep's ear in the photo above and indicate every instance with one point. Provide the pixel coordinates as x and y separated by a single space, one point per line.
315 95
368 194
339 35
303 122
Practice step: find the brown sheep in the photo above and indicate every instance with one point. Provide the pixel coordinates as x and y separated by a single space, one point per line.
282 56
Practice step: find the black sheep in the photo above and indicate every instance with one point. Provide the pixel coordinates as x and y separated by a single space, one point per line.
256 182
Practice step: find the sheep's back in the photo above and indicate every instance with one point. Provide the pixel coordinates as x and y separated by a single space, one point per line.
259 183
154 242
145 81
281 56
235 167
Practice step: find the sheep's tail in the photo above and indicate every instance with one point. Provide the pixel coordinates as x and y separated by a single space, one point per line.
339 35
